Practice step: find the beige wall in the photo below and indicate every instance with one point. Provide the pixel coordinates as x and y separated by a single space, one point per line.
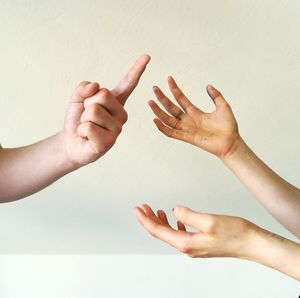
248 49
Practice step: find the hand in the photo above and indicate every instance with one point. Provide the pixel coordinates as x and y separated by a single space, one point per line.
96 116
214 132
218 236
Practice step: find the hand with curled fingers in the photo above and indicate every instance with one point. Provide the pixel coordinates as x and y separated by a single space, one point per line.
222 236
96 115
217 236
214 132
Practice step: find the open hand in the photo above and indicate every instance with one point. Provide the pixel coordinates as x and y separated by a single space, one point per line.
217 236
214 132
96 116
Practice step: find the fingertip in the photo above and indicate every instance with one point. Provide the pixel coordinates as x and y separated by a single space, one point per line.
170 79
209 87
161 211
171 82
145 207
89 85
177 208
157 122
90 89
212 91
137 210
146 57
96 84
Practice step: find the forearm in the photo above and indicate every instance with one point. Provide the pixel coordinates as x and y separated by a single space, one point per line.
275 252
280 198
26 170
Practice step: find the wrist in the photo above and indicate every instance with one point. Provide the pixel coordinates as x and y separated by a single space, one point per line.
275 251
65 162
254 248
237 151
249 241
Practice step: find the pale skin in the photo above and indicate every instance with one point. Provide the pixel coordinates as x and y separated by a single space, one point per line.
93 122
220 235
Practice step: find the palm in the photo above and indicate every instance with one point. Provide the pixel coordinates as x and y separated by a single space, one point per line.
214 235
214 132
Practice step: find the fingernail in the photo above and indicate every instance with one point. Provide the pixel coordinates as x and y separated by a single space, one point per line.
210 87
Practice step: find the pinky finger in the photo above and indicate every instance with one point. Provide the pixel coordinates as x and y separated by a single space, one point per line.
181 226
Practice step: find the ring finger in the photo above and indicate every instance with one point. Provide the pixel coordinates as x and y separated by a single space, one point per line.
167 103
163 116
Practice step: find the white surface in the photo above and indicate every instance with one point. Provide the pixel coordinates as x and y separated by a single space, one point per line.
139 276
248 49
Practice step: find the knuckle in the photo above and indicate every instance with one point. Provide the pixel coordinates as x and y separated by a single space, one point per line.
183 214
185 247
118 128
87 128
94 110
104 92
192 109
125 116
169 106
111 141
212 224
83 83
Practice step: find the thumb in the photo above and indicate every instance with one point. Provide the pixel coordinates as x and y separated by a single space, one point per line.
193 219
216 96
85 89
187 216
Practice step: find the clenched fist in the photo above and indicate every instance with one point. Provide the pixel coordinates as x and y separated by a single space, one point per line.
96 116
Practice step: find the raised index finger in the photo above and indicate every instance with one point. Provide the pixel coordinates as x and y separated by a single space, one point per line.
131 79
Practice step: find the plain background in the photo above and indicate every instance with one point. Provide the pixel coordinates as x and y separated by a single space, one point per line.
247 49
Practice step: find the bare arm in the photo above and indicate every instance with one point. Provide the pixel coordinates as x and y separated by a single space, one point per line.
222 236
26 170
277 195
217 133
93 122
